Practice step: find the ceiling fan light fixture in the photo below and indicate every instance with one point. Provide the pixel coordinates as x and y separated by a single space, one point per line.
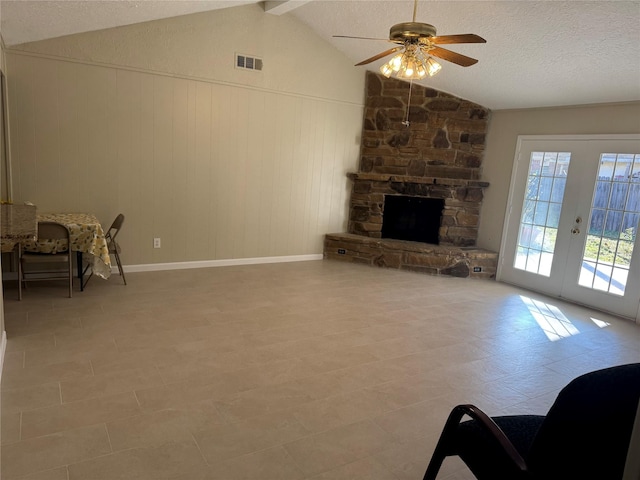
433 67
421 72
392 66
408 69
386 70
411 64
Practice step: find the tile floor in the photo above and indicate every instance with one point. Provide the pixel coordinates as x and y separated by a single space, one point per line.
311 370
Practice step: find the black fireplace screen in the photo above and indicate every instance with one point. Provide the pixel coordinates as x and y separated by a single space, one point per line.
415 219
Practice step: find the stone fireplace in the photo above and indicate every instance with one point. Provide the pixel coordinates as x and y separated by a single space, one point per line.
438 156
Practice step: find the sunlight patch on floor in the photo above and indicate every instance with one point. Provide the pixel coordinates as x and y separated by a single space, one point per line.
550 318
600 323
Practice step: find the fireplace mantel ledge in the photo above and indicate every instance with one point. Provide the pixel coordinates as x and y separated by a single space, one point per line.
387 177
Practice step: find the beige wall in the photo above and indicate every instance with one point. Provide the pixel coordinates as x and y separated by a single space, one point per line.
153 121
202 46
217 162
504 129
2 174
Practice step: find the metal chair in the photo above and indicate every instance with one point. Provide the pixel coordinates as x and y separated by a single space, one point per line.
585 434
113 246
53 248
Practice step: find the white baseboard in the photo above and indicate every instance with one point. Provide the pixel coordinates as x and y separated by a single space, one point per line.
154 267
3 348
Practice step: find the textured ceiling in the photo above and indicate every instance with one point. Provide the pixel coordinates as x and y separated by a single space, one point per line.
24 21
538 53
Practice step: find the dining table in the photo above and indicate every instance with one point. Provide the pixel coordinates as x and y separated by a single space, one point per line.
87 239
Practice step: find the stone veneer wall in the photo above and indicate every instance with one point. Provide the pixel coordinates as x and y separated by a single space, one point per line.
438 155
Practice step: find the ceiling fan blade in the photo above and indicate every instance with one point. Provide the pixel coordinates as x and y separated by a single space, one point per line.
464 38
360 38
379 56
453 57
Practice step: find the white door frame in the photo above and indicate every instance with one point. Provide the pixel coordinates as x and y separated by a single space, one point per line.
517 170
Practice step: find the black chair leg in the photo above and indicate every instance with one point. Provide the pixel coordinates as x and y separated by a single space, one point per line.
443 445
83 271
80 271
434 465
19 247
120 269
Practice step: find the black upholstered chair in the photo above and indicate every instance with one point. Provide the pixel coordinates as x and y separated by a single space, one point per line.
585 434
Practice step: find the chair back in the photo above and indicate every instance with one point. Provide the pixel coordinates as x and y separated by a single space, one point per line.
54 246
113 231
53 237
587 431
115 227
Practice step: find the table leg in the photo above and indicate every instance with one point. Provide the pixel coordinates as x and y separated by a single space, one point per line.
80 271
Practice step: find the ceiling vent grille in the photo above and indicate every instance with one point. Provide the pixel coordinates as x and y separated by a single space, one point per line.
246 62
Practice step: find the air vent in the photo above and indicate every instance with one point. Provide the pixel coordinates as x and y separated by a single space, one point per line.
248 63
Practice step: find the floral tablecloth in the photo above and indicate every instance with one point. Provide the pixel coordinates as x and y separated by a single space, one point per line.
86 236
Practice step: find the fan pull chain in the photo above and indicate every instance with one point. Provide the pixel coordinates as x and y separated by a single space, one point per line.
406 119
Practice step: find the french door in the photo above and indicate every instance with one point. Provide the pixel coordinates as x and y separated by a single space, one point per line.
572 220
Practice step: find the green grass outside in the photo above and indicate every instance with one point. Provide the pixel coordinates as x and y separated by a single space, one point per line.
611 249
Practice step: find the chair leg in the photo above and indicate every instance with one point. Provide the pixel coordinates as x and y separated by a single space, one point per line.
19 271
87 280
443 447
120 269
70 275
436 462
84 272
81 272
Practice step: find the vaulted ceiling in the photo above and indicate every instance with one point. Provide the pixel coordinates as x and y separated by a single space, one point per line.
538 53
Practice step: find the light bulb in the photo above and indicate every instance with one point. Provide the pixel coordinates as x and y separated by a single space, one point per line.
396 62
386 70
433 67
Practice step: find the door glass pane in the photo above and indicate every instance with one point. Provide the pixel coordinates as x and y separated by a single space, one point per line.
601 199
540 218
558 189
613 224
554 215
541 209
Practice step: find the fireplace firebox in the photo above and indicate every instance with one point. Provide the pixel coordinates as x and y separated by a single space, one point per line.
415 219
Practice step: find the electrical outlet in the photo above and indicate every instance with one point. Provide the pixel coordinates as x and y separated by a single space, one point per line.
156 242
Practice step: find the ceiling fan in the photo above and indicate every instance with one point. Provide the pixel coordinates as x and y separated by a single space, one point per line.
417 44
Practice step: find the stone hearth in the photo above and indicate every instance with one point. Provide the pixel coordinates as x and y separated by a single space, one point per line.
414 256
438 155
